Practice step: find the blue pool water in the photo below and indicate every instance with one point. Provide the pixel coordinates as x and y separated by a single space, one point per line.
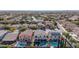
21 44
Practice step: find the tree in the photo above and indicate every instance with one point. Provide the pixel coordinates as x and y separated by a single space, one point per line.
12 29
77 45
22 28
1 19
66 34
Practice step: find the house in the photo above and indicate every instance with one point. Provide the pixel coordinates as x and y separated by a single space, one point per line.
40 38
25 38
32 26
36 20
41 26
75 17
10 37
26 35
54 38
49 24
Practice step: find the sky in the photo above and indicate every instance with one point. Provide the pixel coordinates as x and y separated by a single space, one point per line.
39 5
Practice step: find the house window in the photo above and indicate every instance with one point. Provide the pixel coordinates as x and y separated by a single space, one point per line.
44 36
35 36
